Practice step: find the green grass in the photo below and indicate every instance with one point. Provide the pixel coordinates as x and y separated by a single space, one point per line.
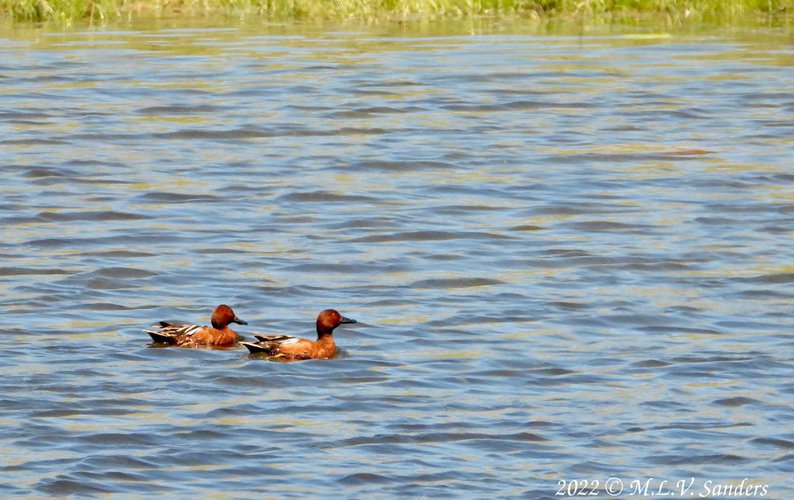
105 10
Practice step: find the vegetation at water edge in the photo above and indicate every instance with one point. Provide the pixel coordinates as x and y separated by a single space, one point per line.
105 10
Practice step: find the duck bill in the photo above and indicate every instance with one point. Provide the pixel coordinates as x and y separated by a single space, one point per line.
239 321
347 320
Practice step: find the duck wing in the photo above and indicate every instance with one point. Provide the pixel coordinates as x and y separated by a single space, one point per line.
274 338
168 333
270 344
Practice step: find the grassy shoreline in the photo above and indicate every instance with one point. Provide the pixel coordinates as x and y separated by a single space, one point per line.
674 10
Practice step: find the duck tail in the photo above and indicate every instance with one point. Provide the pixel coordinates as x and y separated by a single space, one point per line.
257 347
160 338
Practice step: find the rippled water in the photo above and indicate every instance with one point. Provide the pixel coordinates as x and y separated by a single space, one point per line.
569 252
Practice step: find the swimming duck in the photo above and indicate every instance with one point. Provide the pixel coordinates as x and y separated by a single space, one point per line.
290 348
217 335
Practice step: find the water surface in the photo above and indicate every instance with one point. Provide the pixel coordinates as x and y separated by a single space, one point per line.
568 250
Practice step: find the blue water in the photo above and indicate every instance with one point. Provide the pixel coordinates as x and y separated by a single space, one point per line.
568 250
